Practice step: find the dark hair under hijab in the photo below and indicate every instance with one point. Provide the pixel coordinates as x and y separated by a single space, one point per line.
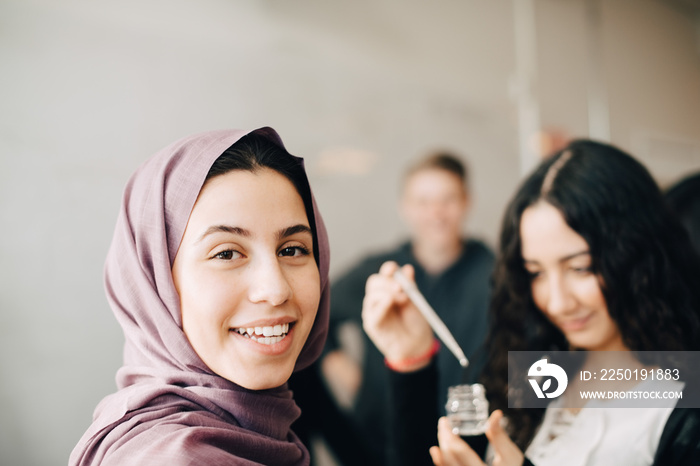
639 250
254 152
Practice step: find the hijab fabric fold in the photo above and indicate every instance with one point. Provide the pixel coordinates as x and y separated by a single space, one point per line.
170 407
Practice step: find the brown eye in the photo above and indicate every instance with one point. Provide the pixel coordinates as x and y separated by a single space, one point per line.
226 255
292 251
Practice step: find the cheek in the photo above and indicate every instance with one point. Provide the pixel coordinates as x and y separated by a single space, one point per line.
591 295
207 299
307 290
416 212
538 288
455 208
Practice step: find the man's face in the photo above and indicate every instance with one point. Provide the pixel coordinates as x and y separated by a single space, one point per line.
434 205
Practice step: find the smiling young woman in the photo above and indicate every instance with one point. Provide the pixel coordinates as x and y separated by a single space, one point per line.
248 283
564 286
218 274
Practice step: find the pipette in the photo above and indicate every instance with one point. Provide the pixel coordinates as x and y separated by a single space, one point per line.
431 316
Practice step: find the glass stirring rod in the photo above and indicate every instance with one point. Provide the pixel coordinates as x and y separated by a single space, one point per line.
431 316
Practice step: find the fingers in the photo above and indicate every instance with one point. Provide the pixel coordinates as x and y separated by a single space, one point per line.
436 455
409 272
453 450
383 281
494 432
506 452
381 294
382 291
393 323
380 319
390 267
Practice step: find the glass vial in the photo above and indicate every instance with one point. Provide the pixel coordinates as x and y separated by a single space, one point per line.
467 409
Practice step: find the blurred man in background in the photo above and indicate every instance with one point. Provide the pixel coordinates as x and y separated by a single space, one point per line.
453 273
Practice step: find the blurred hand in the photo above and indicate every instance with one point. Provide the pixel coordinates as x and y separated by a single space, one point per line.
453 451
392 322
343 374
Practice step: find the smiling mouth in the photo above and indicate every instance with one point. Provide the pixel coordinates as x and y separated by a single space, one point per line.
575 324
265 335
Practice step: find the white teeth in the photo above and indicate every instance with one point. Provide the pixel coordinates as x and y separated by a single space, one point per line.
269 340
266 335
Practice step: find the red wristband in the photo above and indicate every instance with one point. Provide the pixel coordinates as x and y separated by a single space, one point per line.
410 362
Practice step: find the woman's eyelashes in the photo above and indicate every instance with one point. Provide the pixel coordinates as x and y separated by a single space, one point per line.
532 270
582 270
286 251
575 269
294 251
227 255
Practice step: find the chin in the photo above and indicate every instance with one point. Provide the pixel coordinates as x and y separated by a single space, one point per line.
263 381
440 238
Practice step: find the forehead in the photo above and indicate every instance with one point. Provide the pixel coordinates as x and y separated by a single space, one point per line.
432 180
263 196
546 236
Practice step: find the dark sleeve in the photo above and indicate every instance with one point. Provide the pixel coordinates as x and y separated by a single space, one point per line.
680 440
320 413
412 416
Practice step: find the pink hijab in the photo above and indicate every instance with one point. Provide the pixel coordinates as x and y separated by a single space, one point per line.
170 407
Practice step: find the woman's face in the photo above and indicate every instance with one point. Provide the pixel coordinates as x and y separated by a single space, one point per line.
564 287
248 283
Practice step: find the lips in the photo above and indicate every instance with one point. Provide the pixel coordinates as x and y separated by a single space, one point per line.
572 325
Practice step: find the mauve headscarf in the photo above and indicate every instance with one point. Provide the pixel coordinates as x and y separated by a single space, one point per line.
170 407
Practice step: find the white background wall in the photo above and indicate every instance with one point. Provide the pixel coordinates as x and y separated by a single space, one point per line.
91 89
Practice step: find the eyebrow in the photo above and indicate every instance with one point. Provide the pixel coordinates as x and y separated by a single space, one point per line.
283 233
293 230
563 259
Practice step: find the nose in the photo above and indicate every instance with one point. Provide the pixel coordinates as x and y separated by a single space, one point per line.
560 300
268 282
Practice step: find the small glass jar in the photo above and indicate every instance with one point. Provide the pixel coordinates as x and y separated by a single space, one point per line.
467 409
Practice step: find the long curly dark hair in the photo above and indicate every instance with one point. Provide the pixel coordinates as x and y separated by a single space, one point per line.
647 270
